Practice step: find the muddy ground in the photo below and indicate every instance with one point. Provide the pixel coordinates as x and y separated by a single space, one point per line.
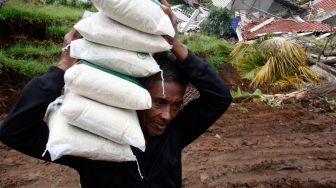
251 145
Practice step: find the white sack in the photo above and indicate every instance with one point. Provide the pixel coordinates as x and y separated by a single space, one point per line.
116 124
106 88
100 29
134 64
143 15
65 139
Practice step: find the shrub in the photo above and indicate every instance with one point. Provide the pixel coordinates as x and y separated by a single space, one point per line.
211 48
219 23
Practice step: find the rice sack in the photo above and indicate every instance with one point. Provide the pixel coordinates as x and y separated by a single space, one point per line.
143 15
116 124
130 63
100 29
65 139
107 87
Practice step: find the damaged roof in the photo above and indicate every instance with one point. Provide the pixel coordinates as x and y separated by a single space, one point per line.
326 5
281 26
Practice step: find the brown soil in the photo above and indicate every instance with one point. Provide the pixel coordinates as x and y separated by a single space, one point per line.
251 145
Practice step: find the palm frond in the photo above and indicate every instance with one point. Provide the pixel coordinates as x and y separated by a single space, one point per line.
275 61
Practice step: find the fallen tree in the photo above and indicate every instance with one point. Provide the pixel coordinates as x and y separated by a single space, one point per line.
330 62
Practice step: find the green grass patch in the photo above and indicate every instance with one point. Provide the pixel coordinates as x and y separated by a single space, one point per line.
30 58
39 13
35 51
58 30
209 47
26 68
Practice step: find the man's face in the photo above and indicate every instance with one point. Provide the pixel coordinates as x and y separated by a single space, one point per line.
164 109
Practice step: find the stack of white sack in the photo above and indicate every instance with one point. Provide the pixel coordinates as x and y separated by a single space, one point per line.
101 100
97 119
65 139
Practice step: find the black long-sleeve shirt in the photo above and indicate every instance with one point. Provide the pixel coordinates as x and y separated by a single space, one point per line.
160 165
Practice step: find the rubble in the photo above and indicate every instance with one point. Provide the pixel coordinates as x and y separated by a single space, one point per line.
190 18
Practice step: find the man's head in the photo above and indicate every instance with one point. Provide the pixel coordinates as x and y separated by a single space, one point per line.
165 103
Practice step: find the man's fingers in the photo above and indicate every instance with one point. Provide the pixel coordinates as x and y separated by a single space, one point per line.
170 14
165 9
165 3
73 34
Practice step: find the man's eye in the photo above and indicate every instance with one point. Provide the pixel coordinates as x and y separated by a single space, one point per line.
159 102
177 106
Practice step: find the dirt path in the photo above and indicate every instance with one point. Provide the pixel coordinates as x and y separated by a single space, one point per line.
252 145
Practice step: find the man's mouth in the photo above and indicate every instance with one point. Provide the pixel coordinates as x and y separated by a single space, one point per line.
160 126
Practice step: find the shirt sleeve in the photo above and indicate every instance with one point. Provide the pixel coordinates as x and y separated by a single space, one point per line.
24 129
214 99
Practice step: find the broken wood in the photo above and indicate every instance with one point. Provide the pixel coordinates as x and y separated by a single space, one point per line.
330 62
326 68
329 53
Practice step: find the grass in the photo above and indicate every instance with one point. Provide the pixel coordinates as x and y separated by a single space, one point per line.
58 30
208 47
27 56
26 68
29 59
23 50
52 14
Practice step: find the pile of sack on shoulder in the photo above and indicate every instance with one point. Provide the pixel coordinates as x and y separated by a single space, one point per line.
96 118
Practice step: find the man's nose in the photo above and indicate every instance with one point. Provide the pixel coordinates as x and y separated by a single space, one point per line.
166 114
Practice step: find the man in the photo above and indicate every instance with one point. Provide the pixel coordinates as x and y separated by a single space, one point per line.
167 129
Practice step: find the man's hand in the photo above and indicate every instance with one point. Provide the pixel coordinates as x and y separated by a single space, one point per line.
178 49
65 60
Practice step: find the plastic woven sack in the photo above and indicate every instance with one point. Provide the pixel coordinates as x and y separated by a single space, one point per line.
116 124
134 64
65 139
104 86
100 29
143 15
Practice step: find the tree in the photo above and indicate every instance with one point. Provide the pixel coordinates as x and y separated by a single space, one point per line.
219 22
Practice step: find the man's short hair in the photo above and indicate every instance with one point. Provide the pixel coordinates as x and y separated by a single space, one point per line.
171 73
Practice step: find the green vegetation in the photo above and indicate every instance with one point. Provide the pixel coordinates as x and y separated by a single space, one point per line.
27 56
49 14
208 47
28 51
327 44
31 56
206 3
239 95
29 59
218 23
272 61
26 68
58 30
71 3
